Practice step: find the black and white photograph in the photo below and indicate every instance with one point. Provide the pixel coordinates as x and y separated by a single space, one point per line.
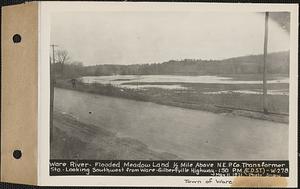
169 85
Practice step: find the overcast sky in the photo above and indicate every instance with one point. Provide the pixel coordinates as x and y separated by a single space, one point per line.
148 37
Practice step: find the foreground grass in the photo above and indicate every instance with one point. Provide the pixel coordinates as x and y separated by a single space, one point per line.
249 105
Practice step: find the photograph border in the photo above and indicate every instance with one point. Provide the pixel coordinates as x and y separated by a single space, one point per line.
47 8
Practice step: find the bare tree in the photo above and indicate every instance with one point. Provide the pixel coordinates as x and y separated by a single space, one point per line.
62 59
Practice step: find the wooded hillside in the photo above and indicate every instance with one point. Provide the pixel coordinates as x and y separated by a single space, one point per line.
277 63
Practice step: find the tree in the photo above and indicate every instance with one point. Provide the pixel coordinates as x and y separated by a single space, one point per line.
77 63
74 69
62 59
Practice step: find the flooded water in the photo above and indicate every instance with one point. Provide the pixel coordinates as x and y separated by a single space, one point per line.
190 134
123 81
283 92
120 79
171 87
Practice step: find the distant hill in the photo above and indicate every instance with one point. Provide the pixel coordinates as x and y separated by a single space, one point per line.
277 63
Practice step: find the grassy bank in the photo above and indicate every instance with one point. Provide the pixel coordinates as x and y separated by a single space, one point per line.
249 105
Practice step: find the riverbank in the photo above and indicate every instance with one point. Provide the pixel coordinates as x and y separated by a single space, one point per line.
248 105
77 140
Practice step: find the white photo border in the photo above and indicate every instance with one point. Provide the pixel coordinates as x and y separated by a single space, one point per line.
48 8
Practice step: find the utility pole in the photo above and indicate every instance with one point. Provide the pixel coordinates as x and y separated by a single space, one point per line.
265 64
53 50
52 80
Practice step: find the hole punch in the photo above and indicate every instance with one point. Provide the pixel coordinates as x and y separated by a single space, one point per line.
17 154
17 38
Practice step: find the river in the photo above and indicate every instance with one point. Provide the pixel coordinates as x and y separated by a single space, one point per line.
190 134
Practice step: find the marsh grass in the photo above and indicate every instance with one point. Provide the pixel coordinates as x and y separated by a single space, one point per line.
193 97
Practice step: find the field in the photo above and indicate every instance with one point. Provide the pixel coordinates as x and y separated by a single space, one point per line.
240 95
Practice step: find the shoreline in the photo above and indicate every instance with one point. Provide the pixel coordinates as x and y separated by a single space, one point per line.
132 94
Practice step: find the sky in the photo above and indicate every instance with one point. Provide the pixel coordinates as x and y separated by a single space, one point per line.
154 37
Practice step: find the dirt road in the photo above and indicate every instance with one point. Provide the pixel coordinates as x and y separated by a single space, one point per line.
188 134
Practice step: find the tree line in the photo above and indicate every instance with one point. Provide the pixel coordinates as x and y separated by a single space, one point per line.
278 63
